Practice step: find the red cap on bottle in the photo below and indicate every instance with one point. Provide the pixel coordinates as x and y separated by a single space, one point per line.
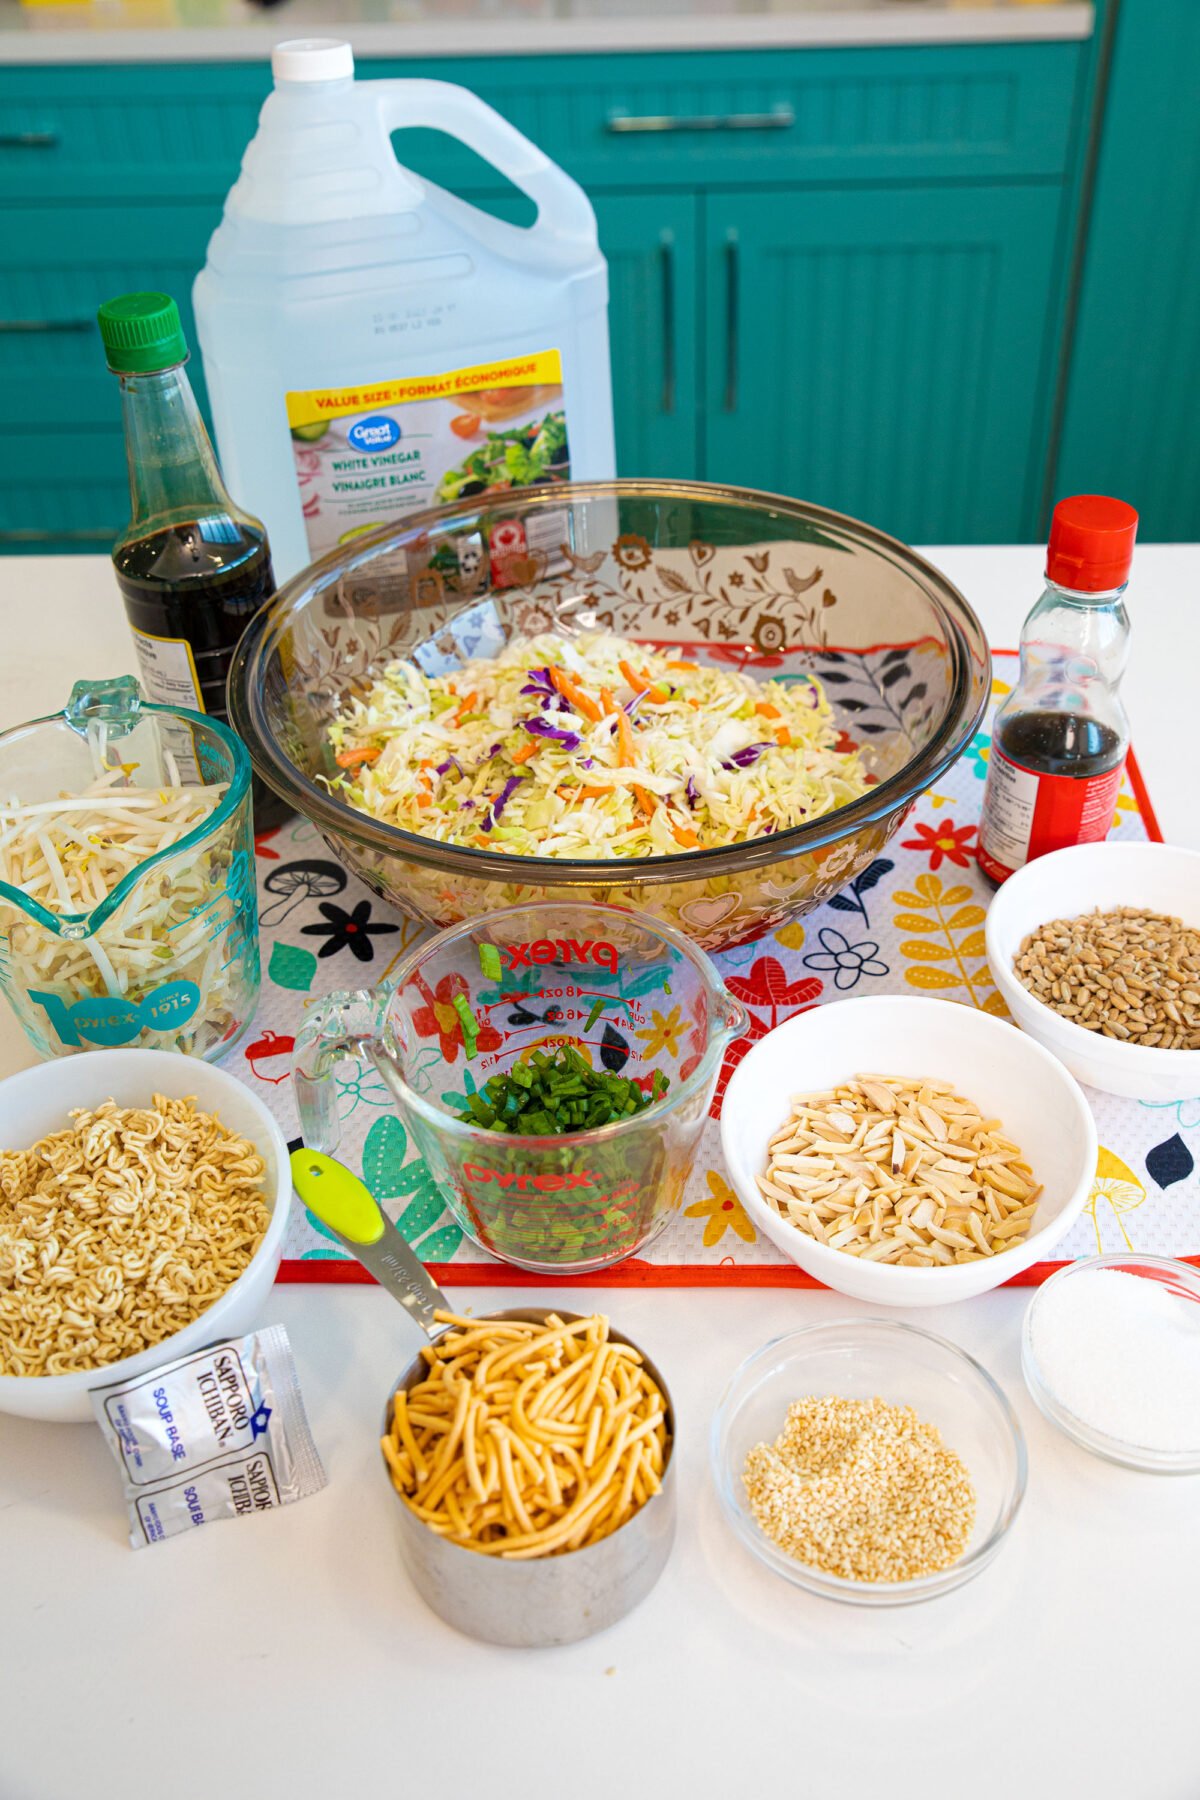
1091 543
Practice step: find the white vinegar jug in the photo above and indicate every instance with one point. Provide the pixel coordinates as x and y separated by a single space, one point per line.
373 344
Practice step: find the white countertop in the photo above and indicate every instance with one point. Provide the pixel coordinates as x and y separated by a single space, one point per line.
235 31
287 1658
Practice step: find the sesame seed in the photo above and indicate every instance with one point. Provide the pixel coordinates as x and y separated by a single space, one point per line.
861 1489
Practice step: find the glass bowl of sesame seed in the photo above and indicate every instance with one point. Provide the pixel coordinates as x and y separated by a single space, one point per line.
868 1461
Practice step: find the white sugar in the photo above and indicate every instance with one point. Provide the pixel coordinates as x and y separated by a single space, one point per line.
1122 1352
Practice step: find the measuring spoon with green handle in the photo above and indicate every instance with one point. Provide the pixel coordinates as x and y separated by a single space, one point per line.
347 1208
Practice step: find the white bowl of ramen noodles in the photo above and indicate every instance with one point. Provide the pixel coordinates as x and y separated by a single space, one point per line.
105 1275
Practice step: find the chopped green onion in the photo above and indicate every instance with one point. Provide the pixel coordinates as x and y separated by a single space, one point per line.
470 1031
551 1096
489 961
597 1009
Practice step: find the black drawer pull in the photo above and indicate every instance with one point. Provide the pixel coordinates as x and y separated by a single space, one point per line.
780 118
28 140
101 535
13 326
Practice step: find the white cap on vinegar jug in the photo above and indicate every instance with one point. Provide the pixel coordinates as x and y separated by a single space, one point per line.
312 59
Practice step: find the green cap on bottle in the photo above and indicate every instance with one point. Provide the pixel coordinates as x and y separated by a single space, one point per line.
142 333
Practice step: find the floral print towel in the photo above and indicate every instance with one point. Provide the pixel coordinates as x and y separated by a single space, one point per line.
912 921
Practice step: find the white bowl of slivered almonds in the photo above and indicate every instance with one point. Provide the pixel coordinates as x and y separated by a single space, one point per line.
155 1254
900 1190
1069 885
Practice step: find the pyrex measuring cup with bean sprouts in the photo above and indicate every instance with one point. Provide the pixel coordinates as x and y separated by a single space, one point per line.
633 998
166 954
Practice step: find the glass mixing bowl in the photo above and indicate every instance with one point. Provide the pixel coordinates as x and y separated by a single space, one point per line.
748 581
905 1366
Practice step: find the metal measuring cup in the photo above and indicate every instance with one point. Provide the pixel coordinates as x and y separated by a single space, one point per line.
553 1600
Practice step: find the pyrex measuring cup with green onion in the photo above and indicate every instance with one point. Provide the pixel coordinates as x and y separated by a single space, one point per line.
166 955
490 1007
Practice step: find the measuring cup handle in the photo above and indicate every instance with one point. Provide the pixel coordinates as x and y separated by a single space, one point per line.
350 1026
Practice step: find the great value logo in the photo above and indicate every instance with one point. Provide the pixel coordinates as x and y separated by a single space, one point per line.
561 950
379 432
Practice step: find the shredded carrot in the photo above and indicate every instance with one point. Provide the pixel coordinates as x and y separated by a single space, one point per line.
353 759
571 690
683 835
466 706
639 683
783 737
645 801
525 752
625 739
695 705
608 701
683 665
424 798
765 710
583 793
485 843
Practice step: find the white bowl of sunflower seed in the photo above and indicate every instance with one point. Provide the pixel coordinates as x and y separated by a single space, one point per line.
1096 951
907 1151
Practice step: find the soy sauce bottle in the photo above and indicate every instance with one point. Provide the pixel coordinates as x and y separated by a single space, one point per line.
1059 740
192 567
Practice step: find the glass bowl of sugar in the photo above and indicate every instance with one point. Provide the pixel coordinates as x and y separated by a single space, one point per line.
1111 1355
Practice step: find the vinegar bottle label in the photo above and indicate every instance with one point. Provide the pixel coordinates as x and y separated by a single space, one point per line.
1027 813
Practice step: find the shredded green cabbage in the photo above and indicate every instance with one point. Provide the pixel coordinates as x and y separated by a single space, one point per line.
592 747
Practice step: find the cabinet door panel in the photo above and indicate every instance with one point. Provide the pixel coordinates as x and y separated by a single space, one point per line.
880 352
650 243
56 267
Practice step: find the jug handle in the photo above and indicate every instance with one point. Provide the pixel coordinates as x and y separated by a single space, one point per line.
350 1026
563 207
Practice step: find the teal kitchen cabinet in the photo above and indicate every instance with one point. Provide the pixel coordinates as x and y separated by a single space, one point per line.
650 241
834 272
62 465
880 352
1132 418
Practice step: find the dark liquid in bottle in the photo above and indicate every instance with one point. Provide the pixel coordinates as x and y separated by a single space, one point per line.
203 582
1059 743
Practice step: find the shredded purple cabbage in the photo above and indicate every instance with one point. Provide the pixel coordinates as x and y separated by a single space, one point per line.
570 740
693 792
587 763
501 801
538 682
631 706
742 759
451 762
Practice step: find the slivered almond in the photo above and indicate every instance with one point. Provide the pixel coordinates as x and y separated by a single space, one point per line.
895 1170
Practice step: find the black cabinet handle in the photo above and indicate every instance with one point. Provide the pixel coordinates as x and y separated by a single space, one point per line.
667 255
780 118
33 325
28 140
101 534
731 322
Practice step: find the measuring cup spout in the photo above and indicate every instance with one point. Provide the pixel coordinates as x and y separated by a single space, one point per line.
350 1026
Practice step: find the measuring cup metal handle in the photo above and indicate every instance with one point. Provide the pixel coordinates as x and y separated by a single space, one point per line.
350 1026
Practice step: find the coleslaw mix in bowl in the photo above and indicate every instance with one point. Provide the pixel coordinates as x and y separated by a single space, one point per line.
592 747
871 657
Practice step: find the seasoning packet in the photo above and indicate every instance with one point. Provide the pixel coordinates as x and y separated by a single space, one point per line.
213 1435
